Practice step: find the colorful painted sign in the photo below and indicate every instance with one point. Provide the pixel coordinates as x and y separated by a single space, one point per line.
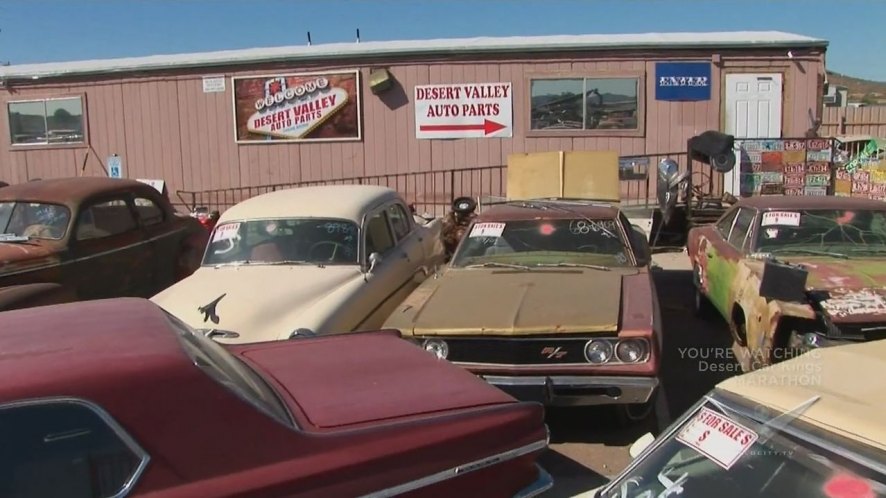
683 81
464 110
297 107
785 166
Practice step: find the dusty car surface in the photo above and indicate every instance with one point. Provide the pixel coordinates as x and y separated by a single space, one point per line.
811 426
90 238
119 398
551 300
306 261
825 258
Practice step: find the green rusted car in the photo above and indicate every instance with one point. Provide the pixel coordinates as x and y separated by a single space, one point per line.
791 273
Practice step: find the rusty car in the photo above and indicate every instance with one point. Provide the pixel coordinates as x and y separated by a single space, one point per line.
550 300
119 398
307 261
84 238
790 273
809 426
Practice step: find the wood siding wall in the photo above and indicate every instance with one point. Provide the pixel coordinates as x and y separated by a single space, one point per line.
164 126
854 121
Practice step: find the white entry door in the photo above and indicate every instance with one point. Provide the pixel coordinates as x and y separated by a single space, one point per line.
753 110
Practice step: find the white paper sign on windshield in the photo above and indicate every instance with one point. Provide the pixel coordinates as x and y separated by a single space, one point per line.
226 231
717 437
788 218
488 230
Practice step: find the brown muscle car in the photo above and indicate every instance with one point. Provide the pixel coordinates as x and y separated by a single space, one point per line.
550 300
87 238
792 273
118 398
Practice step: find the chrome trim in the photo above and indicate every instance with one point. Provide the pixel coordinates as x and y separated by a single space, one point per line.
130 443
459 470
633 389
539 486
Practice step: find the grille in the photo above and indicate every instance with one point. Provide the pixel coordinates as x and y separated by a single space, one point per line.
517 351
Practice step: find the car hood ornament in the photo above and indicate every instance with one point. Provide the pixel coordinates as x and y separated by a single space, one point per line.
208 309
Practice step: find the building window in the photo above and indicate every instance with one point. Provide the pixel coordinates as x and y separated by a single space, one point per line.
585 104
46 121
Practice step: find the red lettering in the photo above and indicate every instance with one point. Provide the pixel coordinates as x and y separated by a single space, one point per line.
703 436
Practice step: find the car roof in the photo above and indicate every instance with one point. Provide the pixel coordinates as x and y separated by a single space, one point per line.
71 348
69 191
809 202
348 202
851 401
542 209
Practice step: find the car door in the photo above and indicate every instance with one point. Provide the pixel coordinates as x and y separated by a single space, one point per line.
722 255
163 236
110 257
408 239
391 278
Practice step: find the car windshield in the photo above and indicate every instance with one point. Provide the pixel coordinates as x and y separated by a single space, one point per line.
731 450
284 241
34 220
224 368
527 243
826 231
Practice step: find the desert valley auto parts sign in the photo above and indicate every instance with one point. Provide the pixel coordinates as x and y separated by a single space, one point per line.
300 107
464 110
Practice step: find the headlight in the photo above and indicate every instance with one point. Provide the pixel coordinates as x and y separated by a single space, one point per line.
436 347
598 351
630 351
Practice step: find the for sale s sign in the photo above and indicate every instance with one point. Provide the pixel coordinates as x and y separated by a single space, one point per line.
297 107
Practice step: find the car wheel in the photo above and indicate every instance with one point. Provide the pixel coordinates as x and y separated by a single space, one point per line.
652 414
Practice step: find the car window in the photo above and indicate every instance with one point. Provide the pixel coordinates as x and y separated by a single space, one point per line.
850 231
149 213
742 224
378 234
104 219
33 219
67 448
725 223
399 220
540 242
284 241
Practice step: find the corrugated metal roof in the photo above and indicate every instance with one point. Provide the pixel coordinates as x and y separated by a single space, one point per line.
331 51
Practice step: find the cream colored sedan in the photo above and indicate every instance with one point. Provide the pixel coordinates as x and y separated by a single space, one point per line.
307 261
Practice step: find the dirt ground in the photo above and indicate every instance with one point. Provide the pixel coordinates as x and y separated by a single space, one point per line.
588 446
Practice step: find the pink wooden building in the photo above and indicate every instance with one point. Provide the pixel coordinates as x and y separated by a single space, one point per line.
433 118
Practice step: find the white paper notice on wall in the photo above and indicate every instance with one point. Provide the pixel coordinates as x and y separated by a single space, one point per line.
213 84
226 232
160 185
717 437
783 218
487 230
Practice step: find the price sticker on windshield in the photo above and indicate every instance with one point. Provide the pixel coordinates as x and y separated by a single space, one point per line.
717 437
226 232
487 230
783 218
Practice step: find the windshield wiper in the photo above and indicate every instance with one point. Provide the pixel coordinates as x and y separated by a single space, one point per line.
285 262
814 252
575 265
493 264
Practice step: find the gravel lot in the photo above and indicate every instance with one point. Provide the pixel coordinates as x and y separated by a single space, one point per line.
588 446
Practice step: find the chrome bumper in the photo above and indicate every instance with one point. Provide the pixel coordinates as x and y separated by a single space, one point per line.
568 390
542 484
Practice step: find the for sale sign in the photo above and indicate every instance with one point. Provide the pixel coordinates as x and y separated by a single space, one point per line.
464 110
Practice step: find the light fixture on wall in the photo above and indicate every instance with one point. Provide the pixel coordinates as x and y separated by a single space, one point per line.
380 80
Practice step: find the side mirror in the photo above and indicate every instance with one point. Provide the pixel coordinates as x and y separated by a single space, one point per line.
641 444
641 245
374 260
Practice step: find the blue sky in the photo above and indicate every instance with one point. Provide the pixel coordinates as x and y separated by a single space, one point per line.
63 30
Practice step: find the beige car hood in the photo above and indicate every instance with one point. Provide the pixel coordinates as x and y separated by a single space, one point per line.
261 303
512 302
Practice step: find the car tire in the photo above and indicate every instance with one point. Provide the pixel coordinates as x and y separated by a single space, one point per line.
652 415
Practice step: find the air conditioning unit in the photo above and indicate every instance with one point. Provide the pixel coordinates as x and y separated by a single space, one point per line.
829 99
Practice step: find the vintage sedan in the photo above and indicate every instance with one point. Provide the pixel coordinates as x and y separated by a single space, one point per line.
790 273
811 426
87 238
307 261
551 300
118 398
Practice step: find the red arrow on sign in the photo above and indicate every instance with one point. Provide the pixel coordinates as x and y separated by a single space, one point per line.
487 127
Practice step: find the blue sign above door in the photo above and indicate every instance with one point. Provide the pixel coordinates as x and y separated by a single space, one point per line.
683 81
